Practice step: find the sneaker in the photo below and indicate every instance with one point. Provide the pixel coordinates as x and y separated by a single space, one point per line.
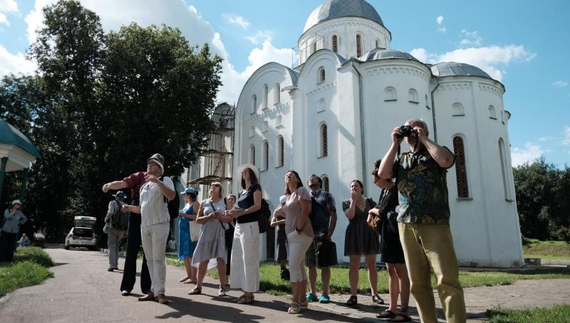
325 299
312 297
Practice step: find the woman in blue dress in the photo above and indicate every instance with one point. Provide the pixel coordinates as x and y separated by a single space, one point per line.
186 247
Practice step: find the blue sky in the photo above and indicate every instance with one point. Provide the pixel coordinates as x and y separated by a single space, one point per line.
522 43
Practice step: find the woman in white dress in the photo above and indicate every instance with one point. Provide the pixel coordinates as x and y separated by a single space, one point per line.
211 242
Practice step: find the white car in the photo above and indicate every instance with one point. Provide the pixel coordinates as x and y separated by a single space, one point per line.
81 237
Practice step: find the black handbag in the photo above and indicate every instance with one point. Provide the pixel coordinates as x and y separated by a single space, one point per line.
326 254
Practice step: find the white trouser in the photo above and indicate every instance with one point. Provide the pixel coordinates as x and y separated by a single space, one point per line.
298 245
245 257
154 245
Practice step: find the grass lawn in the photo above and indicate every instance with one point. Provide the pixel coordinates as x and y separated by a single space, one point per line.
556 314
30 267
533 248
272 284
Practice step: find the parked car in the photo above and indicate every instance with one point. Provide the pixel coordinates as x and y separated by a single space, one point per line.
82 234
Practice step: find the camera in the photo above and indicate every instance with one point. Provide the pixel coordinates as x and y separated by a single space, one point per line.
406 131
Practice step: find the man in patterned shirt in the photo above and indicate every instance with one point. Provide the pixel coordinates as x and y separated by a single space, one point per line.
423 219
325 199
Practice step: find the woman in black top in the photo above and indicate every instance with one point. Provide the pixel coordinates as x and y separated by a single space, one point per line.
245 249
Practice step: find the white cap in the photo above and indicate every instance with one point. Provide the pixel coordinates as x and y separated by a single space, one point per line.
282 199
16 202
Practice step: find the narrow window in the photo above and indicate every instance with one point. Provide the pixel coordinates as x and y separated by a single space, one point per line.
252 154
377 43
277 94
265 165
265 96
322 75
326 185
460 170
281 150
504 170
314 46
324 141
335 43
253 103
358 46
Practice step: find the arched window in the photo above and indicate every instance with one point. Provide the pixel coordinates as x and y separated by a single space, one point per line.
314 46
390 94
265 164
492 112
252 154
413 96
253 103
358 45
321 75
326 184
277 94
458 110
460 169
280 151
265 96
335 43
324 141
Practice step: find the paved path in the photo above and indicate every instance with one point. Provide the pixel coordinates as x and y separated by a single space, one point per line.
83 291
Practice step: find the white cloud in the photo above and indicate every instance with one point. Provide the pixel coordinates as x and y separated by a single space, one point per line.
7 6
490 59
528 154
440 25
560 83
14 63
566 136
236 20
268 53
471 38
260 37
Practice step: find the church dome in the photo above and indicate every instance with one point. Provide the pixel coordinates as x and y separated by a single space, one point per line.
457 69
378 54
333 9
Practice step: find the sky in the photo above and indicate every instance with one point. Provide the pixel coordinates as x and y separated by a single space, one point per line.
524 44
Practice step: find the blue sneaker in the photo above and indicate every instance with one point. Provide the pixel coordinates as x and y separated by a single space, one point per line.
325 299
312 297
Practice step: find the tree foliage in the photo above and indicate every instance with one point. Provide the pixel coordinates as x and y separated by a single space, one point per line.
542 193
101 104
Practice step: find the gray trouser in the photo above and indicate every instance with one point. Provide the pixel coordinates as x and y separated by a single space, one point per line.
114 238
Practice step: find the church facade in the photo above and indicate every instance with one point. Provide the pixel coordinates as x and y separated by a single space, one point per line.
333 114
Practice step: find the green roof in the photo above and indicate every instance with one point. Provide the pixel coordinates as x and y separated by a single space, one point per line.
9 135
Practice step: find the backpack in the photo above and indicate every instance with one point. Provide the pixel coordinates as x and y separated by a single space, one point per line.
174 205
263 216
120 220
319 217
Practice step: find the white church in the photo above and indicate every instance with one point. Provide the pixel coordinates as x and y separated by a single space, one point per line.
333 114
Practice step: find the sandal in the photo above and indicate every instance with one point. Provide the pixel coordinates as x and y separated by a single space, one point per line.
352 301
195 291
245 299
294 308
184 279
222 292
401 317
304 304
386 314
377 299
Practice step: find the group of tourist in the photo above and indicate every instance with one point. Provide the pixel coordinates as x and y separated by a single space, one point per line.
411 218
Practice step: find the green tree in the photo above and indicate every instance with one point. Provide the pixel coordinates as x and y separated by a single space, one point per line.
158 93
542 193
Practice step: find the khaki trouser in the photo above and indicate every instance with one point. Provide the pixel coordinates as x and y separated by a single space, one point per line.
425 245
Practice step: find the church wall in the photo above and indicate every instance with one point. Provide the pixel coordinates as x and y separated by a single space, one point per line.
479 222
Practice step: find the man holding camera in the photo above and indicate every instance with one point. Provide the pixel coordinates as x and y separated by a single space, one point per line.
423 219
